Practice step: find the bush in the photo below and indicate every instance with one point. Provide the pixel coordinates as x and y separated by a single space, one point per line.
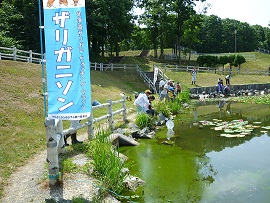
183 97
162 107
145 120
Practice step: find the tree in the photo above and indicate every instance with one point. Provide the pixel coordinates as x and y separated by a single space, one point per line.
211 61
231 60
108 23
191 31
10 25
210 35
140 39
202 60
239 59
223 60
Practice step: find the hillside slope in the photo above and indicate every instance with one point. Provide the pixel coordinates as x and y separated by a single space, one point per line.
22 130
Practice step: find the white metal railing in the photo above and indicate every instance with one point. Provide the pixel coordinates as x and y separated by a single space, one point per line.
20 55
110 116
55 134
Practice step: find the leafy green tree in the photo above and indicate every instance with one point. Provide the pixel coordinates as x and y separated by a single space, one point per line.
260 37
152 18
108 24
183 10
231 60
245 37
6 41
191 31
119 24
239 59
223 60
202 60
10 25
140 39
212 61
211 35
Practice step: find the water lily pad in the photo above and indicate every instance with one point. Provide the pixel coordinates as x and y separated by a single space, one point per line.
266 127
228 131
240 135
218 128
244 133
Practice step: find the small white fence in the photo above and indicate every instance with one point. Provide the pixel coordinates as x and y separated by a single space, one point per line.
20 55
55 134
218 70
125 67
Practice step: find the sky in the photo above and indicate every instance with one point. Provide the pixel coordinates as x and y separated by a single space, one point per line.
251 11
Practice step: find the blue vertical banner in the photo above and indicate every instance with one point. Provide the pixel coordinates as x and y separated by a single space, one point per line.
67 59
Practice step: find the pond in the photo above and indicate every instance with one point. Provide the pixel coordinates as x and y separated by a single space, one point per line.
196 164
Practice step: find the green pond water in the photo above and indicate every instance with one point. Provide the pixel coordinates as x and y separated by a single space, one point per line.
197 165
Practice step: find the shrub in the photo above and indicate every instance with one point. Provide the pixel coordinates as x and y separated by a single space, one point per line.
183 97
145 120
162 107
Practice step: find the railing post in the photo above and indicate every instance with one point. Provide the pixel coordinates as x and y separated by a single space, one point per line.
110 111
14 53
30 56
55 145
91 133
95 65
124 106
112 67
124 67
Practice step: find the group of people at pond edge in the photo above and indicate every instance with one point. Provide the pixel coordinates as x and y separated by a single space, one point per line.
167 90
221 89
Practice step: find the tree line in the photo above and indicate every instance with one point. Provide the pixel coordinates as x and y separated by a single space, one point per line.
113 27
212 61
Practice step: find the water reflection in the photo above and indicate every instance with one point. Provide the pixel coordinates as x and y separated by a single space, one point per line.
201 166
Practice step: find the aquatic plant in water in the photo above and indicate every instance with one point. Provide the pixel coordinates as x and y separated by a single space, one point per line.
234 128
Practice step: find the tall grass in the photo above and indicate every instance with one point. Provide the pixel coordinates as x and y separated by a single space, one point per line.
108 166
162 107
145 120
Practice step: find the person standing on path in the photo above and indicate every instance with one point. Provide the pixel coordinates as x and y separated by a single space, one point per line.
193 75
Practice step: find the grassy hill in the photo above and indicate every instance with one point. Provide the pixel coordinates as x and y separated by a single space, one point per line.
22 130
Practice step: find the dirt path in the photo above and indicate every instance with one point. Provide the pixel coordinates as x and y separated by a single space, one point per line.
30 184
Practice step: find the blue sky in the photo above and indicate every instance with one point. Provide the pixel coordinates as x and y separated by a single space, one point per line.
250 11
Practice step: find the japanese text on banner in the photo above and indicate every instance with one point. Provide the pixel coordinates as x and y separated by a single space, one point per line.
67 60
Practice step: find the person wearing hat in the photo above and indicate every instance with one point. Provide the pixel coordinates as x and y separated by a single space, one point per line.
193 74
142 101
164 92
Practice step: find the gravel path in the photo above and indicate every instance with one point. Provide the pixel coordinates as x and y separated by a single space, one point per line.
29 184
